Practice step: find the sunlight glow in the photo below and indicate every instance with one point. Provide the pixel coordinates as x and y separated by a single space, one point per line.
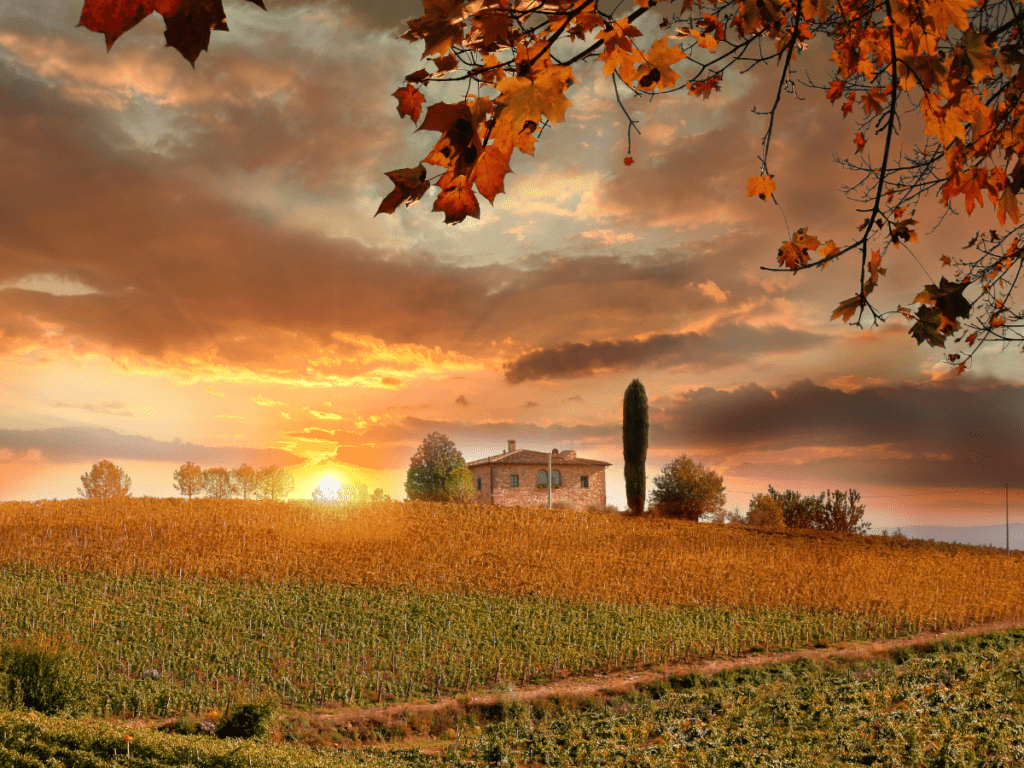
329 486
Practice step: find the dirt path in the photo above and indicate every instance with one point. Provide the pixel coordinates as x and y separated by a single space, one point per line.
624 681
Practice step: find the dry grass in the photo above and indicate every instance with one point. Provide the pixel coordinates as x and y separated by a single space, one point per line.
560 553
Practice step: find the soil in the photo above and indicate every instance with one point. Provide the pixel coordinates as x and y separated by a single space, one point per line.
628 680
305 725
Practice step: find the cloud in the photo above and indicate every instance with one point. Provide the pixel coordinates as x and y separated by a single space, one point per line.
943 434
530 404
71 445
728 344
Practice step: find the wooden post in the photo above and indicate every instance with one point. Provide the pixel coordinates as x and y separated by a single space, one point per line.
549 481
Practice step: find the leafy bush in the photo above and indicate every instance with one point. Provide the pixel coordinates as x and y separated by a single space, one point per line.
41 677
247 721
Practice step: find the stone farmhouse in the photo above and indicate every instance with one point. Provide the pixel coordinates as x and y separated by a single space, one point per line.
520 478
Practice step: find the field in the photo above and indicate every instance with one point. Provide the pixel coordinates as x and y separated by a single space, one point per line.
327 606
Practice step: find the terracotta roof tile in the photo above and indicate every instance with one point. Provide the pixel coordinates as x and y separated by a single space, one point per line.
536 457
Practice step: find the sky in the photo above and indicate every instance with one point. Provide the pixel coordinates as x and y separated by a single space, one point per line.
191 270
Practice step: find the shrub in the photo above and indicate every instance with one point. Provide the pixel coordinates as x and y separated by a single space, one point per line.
247 721
766 512
42 677
687 490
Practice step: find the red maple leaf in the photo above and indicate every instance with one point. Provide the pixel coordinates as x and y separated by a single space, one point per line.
188 22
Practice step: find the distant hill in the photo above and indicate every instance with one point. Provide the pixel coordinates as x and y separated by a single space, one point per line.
978 535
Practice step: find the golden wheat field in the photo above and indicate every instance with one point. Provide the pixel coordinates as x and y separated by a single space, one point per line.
518 551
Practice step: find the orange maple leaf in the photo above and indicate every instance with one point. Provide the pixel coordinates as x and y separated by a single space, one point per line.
657 70
410 102
526 100
762 186
847 308
947 13
859 142
1007 206
456 199
489 173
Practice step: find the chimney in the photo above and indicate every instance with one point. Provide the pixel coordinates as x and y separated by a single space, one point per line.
511 445
569 455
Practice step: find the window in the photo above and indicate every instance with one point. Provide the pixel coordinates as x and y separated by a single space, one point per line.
584 481
556 478
542 477
479 483
513 481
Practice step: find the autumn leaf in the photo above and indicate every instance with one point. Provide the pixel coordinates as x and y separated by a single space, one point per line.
489 173
627 160
706 87
660 59
410 102
947 13
793 253
619 52
1007 206
762 186
847 308
440 27
978 54
525 100
456 200
875 270
188 23
410 186
859 142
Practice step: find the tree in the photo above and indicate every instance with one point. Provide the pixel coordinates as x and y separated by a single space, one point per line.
765 512
273 483
797 511
635 427
841 512
829 511
188 480
245 479
105 481
379 495
437 472
218 483
956 64
688 490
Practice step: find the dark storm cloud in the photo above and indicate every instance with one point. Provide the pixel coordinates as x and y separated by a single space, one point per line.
67 445
941 434
725 345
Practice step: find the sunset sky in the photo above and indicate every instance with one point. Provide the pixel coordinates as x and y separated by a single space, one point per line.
191 270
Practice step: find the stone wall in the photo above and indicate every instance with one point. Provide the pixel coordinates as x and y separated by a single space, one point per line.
529 495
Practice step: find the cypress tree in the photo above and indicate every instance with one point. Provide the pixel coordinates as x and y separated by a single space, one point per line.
634 445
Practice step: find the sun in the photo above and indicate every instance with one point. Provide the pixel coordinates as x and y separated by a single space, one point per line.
329 485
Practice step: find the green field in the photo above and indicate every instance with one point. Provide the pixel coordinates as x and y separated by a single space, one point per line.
306 643
957 704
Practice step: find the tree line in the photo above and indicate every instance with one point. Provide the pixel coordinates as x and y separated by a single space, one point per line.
107 481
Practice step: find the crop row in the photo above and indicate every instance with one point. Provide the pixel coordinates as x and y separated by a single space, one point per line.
953 707
308 643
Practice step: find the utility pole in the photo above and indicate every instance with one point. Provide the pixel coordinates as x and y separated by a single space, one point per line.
1007 519
549 484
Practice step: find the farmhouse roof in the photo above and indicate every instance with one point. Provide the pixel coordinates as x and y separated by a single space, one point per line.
524 456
